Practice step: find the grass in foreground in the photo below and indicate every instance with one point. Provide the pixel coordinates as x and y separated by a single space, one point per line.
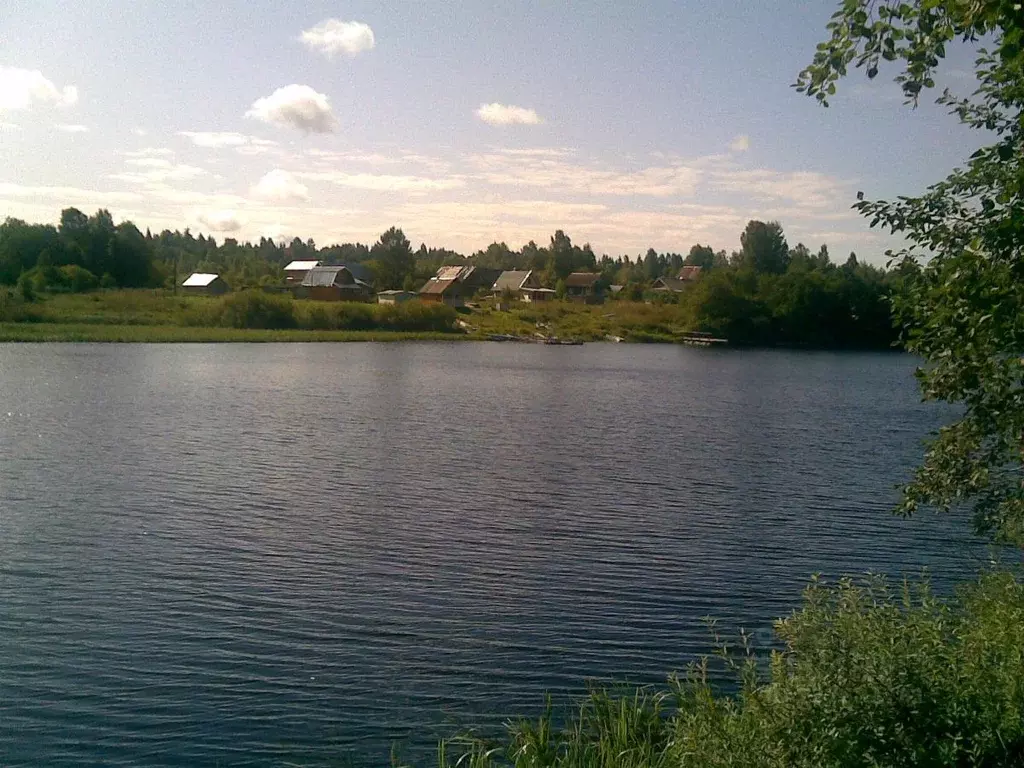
869 676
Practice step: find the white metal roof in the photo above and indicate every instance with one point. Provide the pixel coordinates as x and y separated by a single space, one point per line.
303 266
199 280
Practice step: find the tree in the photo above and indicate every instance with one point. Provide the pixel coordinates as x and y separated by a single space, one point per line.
560 255
962 307
394 257
764 248
701 256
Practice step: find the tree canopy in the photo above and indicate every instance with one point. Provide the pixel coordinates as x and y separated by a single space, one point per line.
962 309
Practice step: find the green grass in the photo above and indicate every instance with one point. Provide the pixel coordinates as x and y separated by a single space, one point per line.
631 321
154 315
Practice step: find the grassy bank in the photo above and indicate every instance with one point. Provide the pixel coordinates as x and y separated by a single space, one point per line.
154 316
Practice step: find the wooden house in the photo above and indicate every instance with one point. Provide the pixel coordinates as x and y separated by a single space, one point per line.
584 287
204 284
335 283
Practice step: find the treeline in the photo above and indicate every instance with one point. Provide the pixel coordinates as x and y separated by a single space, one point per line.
763 293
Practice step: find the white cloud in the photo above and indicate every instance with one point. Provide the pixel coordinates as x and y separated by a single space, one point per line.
149 152
23 88
333 37
295 106
280 186
9 127
158 170
549 171
139 131
386 182
507 114
740 143
806 189
249 145
72 128
219 221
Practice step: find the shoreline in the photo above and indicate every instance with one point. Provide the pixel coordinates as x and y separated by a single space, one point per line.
127 333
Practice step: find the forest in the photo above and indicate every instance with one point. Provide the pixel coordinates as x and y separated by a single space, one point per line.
764 293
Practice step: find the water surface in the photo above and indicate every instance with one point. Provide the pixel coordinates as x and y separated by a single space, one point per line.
259 554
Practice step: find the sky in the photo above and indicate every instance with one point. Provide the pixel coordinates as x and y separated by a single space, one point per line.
628 125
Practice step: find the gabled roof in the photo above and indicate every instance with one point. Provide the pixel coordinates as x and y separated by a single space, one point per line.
301 266
582 279
451 272
689 273
512 279
673 284
435 287
199 280
326 276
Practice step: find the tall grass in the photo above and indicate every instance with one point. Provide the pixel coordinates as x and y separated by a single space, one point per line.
868 676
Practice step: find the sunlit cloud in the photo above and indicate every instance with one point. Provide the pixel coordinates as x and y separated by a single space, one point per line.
157 170
385 182
333 37
280 186
740 144
219 221
72 128
295 106
24 88
223 139
507 114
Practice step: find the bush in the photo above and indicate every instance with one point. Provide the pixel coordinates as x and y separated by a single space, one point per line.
78 279
26 287
15 309
867 676
251 309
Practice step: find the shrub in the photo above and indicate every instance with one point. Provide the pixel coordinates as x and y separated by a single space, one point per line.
78 279
867 676
26 287
252 309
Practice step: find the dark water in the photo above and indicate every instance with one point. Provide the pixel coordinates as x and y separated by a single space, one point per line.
269 554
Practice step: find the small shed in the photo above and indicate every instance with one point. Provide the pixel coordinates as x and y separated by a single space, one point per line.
337 283
295 271
395 297
205 284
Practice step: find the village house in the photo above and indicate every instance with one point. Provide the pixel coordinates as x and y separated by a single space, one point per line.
454 284
669 285
395 297
584 287
523 284
205 284
335 283
687 276
295 271
690 273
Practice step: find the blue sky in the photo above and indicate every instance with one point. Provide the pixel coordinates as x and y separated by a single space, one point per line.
628 125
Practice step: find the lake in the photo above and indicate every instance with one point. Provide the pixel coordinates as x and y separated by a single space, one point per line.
267 554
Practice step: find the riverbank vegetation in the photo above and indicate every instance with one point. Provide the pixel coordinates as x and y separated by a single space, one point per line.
868 674
764 294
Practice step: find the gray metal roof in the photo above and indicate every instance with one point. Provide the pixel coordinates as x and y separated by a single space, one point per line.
326 276
511 279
